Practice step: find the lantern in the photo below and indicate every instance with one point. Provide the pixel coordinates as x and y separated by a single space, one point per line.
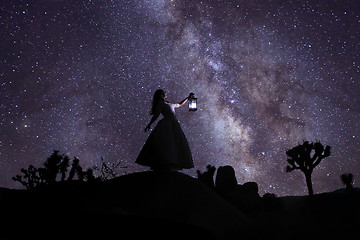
192 104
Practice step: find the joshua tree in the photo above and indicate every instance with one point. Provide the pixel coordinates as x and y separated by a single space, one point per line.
52 165
63 166
76 168
347 179
33 177
30 179
306 157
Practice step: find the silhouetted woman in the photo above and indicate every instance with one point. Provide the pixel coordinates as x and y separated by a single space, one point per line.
166 147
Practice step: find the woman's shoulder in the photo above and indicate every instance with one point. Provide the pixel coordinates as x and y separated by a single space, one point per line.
166 103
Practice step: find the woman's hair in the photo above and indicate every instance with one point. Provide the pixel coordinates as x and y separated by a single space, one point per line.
158 96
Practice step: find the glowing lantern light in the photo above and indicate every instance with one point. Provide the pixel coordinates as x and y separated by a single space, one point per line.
193 104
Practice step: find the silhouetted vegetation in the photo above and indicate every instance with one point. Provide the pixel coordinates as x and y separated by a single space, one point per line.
347 179
32 177
142 199
76 169
306 157
134 193
54 166
106 171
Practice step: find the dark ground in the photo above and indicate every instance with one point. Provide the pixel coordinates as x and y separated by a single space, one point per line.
171 205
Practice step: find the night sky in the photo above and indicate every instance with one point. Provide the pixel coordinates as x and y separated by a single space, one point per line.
79 76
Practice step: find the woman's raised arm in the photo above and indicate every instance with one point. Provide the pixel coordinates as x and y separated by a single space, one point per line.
186 99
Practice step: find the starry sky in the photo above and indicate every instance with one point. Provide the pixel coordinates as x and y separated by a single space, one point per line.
78 76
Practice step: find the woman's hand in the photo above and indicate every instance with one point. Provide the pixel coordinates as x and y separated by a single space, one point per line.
153 119
191 95
147 128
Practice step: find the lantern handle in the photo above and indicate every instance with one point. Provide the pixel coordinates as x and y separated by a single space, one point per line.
191 95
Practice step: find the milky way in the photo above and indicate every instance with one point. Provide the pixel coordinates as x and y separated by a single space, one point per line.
78 76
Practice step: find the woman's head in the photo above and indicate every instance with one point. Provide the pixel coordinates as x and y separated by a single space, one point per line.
159 95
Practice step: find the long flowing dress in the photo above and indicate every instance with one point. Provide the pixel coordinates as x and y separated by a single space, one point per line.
166 146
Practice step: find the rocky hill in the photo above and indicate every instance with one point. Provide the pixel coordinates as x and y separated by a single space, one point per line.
172 205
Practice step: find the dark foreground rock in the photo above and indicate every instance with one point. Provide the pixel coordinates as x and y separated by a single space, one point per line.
172 205
163 205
